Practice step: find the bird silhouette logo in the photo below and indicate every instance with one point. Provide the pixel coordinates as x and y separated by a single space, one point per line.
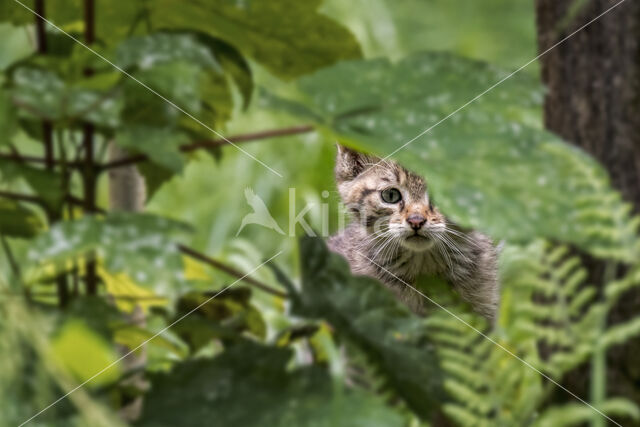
260 214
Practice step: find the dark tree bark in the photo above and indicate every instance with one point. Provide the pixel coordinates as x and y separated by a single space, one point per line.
593 101
593 83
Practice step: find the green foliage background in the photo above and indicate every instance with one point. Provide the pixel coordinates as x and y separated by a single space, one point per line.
338 350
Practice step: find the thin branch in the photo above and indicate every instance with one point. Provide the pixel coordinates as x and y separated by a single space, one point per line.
21 158
208 144
89 171
230 270
22 198
15 267
30 108
41 36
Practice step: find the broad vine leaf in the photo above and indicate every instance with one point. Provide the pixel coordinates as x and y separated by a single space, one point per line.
46 184
8 118
490 164
205 389
364 311
83 353
161 145
133 336
144 52
233 64
288 37
181 69
18 221
225 317
42 94
121 284
140 245
17 43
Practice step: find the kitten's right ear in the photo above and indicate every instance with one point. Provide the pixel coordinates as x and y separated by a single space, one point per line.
350 163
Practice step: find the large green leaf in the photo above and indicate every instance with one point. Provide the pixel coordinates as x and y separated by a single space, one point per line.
362 310
138 244
17 220
161 145
83 353
490 165
17 43
8 118
145 52
288 37
43 94
249 385
46 184
233 63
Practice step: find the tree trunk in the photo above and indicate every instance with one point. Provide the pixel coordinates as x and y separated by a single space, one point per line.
593 101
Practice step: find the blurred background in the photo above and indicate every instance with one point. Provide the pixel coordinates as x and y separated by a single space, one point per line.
138 135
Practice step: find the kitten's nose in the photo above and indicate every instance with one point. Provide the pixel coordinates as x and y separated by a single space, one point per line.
416 221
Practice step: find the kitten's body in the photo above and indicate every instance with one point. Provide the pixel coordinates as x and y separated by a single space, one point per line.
400 249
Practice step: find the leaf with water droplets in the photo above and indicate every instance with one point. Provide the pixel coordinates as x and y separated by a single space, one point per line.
487 158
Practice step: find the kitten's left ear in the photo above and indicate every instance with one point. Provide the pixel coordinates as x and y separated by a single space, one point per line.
351 163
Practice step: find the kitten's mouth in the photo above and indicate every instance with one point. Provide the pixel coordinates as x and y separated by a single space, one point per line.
417 237
417 242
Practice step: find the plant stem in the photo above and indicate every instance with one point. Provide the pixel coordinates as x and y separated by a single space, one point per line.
89 175
598 385
255 136
22 198
41 37
15 267
230 270
47 140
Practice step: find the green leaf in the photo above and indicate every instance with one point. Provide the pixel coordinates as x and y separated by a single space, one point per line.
46 184
18 221
161 145
217 390
138 244
17 43
43 94
366 313
8 118
145 52
577 414
133 336
83 353
178 82
288 37
490 165
233 64
224 317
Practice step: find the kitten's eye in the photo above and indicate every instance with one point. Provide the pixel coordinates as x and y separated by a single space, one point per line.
391 195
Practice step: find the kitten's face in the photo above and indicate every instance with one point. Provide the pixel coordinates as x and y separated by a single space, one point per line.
388 200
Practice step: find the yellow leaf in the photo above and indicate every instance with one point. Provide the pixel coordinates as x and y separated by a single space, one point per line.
83 353
194 270
127 294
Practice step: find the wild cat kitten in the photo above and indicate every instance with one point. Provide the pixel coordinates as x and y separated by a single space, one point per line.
397 233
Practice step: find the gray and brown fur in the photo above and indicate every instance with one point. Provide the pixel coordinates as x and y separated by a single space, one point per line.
396 242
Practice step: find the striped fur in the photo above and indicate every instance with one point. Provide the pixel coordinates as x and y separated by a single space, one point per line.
380 241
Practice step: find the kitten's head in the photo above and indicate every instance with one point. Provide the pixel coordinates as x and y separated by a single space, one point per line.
387 199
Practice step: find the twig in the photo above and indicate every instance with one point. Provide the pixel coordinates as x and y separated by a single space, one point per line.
22 197
126 161
230 270
12 260
89 173
17 157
